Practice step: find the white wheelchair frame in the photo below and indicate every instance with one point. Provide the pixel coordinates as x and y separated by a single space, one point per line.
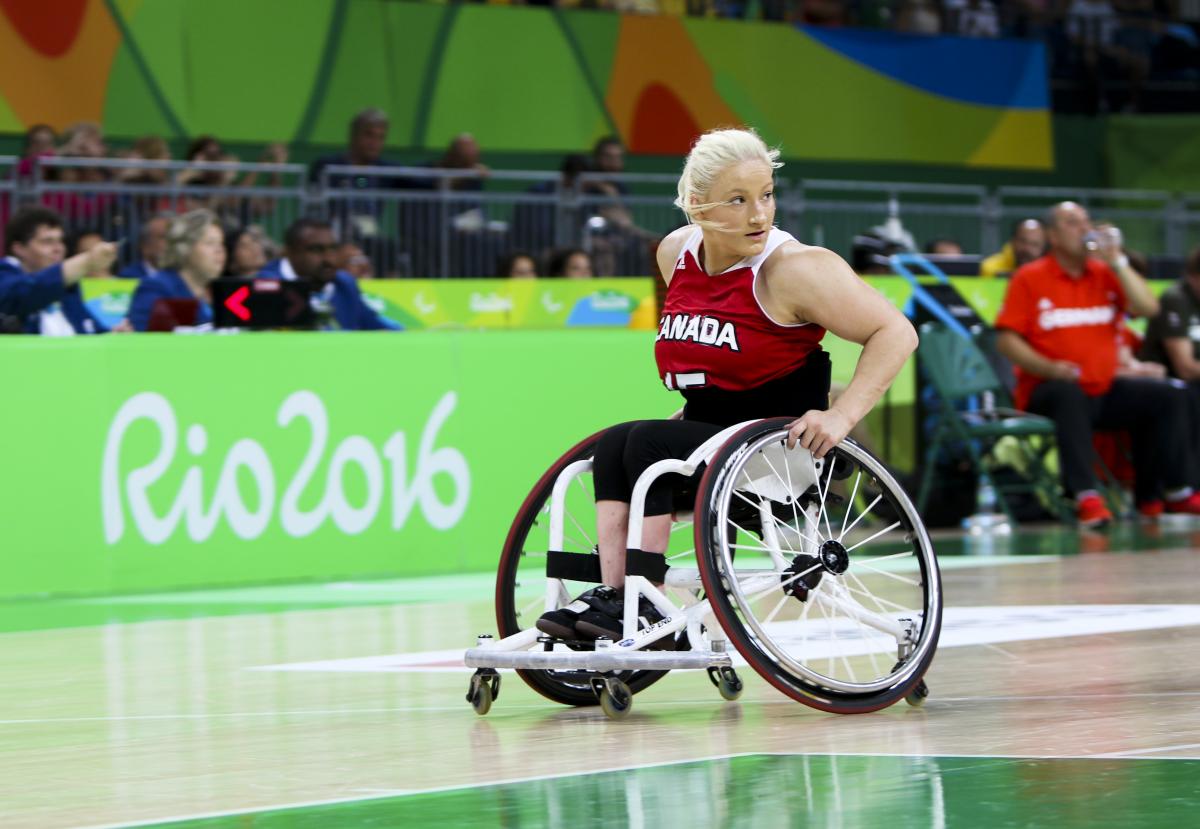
525 650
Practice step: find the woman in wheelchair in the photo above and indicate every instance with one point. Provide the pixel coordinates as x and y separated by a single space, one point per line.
739 338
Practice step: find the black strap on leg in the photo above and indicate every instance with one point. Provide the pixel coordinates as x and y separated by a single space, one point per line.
573 566
650 565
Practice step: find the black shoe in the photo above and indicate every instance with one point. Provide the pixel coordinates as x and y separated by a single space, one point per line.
561 623
608 622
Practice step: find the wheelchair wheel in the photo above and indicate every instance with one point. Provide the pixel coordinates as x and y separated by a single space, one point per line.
820 571
521 581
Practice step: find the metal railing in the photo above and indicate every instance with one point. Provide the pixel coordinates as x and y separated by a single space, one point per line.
423 221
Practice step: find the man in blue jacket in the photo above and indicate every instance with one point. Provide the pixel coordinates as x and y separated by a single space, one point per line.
309 253
39 287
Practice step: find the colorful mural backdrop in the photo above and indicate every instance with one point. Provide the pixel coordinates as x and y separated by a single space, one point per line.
520 79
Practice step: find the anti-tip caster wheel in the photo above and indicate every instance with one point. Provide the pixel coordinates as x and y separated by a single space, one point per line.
616 700
484 688
917 696
727 682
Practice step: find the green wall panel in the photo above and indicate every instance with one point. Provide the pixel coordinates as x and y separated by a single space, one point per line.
512 80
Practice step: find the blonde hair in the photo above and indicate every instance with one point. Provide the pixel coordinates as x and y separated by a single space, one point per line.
710 155
182 235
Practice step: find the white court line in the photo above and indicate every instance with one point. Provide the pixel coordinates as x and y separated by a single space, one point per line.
383 794
1137 752
961 627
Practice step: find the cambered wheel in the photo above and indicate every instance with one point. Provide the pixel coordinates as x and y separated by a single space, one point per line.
820 571
521 581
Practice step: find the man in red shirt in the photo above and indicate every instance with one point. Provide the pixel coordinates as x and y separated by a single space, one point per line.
1059 326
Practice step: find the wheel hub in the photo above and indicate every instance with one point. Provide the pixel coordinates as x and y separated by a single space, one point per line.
834 557
797 585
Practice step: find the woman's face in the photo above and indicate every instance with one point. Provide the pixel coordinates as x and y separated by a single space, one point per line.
578 267
248 256
523 268
207 259
744 194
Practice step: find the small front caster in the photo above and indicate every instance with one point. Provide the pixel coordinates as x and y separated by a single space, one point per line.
728 683
917 696
616 700
483 690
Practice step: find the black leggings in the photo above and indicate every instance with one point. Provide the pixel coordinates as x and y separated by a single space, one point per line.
628 449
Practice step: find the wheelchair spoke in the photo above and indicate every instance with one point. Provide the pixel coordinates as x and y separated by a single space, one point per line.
790 488
902 579
877 559
866 634
775 611
576 542
879 600
797 529
537 603
761 500
850 504
861 516
579 527
887 529
824 496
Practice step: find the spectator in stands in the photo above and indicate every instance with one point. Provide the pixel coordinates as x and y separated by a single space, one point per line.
571 263
1026 243
37 286
1173 336
152 244
147 148
463 154
535 224
519 265
943 247
617 244
84 241
972 18
608 156
368 135
194 256
40 141
1173 340
1059 326
919 17
245 251
352 260
206 149
361 217
310 253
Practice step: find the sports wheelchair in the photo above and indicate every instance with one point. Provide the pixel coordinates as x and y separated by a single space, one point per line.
818 571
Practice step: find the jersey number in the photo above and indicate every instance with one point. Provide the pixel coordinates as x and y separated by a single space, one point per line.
684 380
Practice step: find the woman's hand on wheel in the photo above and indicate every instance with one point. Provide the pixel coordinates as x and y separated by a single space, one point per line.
819 431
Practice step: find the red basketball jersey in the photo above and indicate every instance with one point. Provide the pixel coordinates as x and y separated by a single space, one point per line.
714 333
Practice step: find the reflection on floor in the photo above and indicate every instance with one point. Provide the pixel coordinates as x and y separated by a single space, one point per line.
1065 694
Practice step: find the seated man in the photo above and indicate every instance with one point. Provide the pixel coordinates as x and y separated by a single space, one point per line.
1173 340
37 286
1026 243
1059 326
152 244
310 252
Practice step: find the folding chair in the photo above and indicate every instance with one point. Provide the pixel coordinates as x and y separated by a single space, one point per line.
961 376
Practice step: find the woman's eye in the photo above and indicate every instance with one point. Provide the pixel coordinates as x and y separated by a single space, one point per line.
737 200
768 196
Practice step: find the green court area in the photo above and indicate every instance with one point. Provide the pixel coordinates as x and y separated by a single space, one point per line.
795 790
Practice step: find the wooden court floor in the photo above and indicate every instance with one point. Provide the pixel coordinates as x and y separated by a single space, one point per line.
1066 693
